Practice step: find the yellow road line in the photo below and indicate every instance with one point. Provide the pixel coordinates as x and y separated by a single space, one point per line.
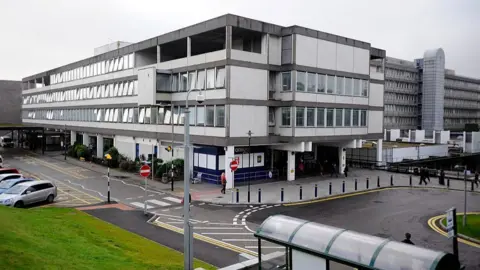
432 223
70 187
207 239
70 194
57 168
340 196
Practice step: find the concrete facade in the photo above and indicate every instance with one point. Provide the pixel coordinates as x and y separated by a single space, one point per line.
10 102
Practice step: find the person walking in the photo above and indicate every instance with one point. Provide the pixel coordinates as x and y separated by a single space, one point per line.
223 180
422 177
407 239
476 181
334 170
345 171
441 178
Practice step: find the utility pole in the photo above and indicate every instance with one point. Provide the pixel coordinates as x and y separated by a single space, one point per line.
465 198
65 141
249 133
173 137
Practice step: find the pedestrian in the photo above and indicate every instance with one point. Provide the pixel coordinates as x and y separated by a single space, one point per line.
422 177
334 170
407 239
476 181
441 178
427 174
345 171
223 179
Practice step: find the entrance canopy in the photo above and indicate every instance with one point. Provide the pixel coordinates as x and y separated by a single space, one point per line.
349 247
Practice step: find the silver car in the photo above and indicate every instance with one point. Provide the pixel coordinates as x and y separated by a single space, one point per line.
28 193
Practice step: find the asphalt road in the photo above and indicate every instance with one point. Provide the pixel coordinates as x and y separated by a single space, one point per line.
388 214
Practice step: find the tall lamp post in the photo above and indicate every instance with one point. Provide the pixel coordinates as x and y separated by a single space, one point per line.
249 133
187 227
65 142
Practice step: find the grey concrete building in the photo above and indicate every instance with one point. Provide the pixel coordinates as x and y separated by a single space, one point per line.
10 102
423 94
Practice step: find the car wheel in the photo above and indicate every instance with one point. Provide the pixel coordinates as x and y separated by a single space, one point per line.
18 204
50 198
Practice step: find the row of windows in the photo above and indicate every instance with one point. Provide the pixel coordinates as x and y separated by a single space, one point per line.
461 94
400 120
119 89
452 121
400 85
461 113
469 85
401 74
461 103
395 96
112 65
396 108
321 83
198 79
210 116
324 117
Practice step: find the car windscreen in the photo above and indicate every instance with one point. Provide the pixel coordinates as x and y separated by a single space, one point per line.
7 184
15 190
7 140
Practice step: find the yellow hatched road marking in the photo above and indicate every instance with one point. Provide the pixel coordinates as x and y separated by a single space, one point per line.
70 187
57 168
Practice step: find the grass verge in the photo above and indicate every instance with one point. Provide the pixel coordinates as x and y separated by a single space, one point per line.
472 228
62 238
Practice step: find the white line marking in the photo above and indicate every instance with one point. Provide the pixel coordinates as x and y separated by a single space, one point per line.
133 185
201 203
174 222
240 240
151 195
175 219
158 202
140 205
218 228
220 223
265 247
165 210
128 198
172 199
226 233
180 207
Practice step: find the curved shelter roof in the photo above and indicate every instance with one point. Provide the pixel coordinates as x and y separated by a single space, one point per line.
355 248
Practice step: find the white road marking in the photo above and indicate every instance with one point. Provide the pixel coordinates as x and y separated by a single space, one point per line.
158 202
180 207
175 219
240 240
270 247
240 233
172 199
174 222
141 205
220 223
218 228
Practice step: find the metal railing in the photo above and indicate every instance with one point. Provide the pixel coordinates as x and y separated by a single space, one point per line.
239 177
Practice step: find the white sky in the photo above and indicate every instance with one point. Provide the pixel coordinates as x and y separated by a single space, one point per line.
36 35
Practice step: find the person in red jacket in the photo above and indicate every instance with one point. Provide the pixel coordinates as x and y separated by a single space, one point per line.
223 179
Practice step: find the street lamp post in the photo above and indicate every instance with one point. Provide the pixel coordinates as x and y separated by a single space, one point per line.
65 142
465 198
249 133
187 226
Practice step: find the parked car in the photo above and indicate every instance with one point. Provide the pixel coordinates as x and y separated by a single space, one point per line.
7 184
8 170
28 193
1 161
8 176
6 142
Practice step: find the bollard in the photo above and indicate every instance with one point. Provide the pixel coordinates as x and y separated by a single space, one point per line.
343 186
238 195
367 182
378 181
300 193
259 195
248 195
391 180
281 194
410 180
316 191
448 182
330 188
355 184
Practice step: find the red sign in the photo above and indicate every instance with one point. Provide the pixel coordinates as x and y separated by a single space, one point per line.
234 165
145 171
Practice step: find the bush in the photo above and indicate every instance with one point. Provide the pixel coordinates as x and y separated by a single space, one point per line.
81 151
132 166
115 157
124 165
178 164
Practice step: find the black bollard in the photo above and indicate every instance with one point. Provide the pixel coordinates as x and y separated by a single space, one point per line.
355 184
316 191
391 180
248 195
378 181
367 182
301 192
259 195
238 195
448 182
410 180
281 194
343 186
330 188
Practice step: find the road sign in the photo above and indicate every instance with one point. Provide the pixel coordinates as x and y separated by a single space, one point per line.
450 223
234 165
145 171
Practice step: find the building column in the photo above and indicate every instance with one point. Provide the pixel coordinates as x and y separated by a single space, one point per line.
359 143
342 159
229 156
73 137
159 54
189 47
379 152
464 142
86 139
355 144
100 146
291 166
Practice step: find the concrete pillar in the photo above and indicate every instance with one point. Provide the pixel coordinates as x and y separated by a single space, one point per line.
229 156
99 145
189 47
73 137
379 151
359 143
464 141
342 159
86 139
291 166
228 40
158 54
355 145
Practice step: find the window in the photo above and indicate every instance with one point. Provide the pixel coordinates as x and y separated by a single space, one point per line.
286 81
107 115
191 115
220 82
130 115
286 117
338 117
175 114
340 85
219 116
312 82
161 115
300 117
355 116
200 115
148 112
192 76
271 116
210 78
311 116
125 116
363 118
181 116
347 117
330 84
167 119
348 86
301 81
183 82
320 117
356 87
201 80
365 84
209 116
330 117
174 83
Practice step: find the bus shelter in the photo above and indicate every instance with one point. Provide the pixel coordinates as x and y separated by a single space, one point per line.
310 245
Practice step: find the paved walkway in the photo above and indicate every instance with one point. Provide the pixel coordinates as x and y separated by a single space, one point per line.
270 192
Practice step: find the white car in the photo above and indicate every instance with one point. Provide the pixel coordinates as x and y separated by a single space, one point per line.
28 193
8 176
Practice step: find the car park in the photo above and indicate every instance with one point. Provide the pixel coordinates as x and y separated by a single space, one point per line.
9 176
8 170
7 184
29 193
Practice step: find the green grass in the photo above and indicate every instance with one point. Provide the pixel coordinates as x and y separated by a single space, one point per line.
61 238
472 228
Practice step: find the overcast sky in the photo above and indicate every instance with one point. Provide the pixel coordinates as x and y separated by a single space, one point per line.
38 35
